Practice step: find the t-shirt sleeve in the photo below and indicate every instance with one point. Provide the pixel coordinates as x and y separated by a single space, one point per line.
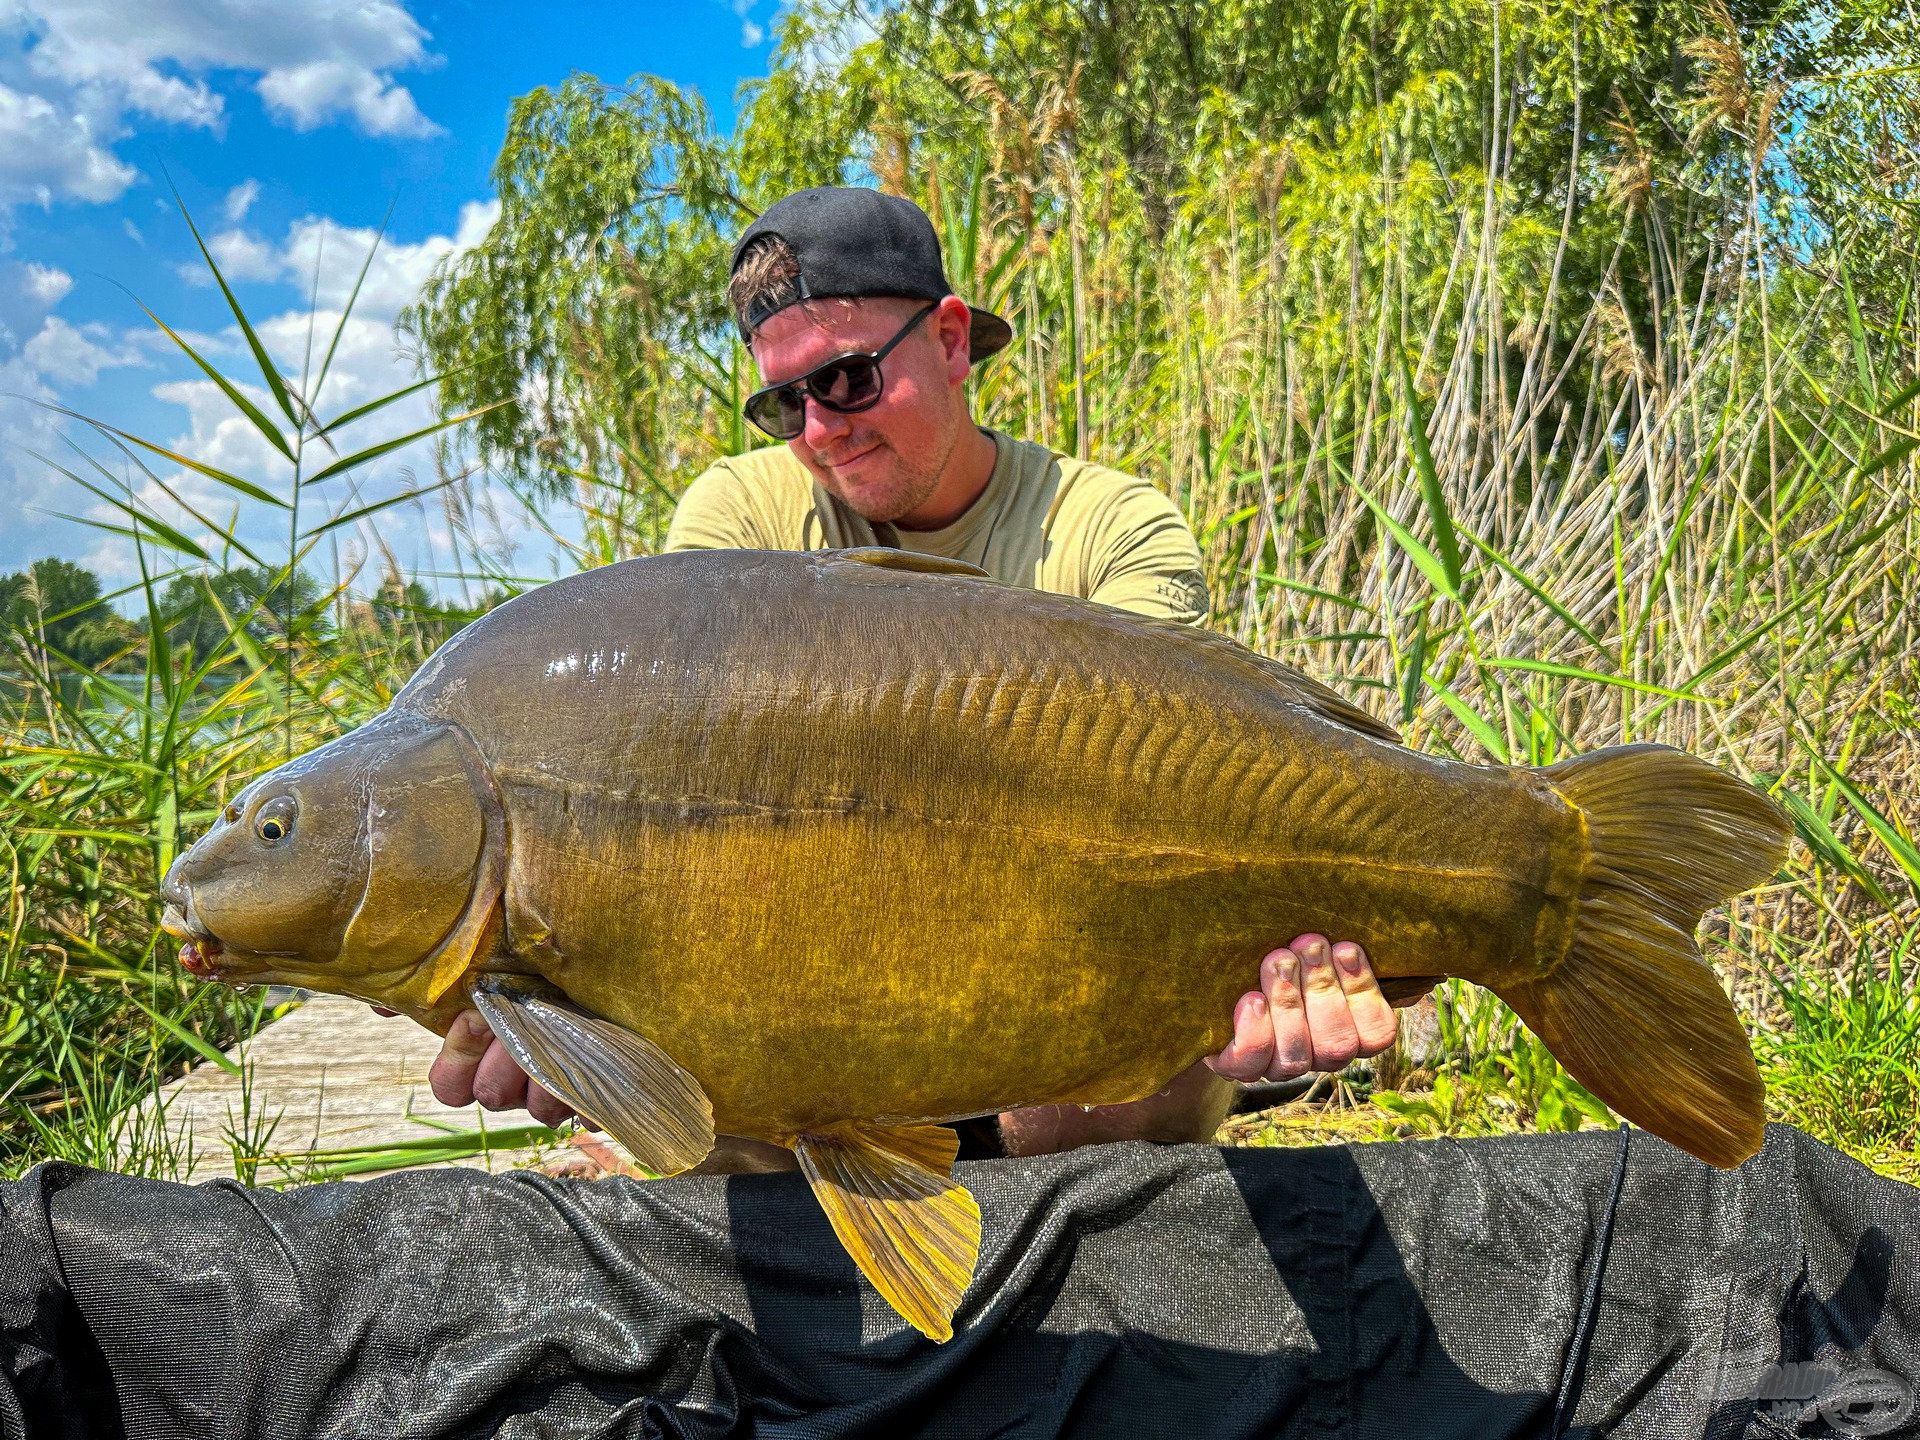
1145 559
715 513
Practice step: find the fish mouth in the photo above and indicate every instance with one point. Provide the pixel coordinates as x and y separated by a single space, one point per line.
201 953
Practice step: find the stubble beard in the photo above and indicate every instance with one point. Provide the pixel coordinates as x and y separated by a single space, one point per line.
880 500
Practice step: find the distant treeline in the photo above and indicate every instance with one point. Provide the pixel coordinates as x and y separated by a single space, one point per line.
56 611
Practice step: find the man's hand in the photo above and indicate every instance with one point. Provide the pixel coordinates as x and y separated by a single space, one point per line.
474 1066
1318 1008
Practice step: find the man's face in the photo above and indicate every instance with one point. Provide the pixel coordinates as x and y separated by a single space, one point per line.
884 462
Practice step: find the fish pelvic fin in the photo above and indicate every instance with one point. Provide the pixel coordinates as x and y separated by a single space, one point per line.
913 1229
621 1081
1634 1011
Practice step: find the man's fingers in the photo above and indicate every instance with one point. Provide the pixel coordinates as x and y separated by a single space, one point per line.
1334 1038
1373 1018
474 1066
1286 1007
546 1107
453 1069
499 1083
1251 1050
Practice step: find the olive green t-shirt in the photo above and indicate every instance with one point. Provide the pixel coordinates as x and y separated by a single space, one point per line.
1045 521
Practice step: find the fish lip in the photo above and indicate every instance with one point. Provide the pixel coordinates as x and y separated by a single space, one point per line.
202 952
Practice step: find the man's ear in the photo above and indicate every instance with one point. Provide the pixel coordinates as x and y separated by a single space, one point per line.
953 326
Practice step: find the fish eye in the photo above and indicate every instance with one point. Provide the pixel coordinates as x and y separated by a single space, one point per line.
275 820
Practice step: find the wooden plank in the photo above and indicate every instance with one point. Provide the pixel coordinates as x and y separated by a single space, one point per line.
328 1075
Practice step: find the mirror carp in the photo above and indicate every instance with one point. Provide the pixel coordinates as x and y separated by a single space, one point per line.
825 848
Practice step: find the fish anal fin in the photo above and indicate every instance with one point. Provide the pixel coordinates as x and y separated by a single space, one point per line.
890 1195
618 1079
886 559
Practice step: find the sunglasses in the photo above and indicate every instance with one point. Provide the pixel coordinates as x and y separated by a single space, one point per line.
845 384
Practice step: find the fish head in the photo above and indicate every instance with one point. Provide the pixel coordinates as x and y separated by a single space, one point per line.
345 869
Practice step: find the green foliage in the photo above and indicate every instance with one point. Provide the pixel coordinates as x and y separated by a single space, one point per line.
238 661
1496 1076
1846 1064
588 318
55 605
202 610
1632 152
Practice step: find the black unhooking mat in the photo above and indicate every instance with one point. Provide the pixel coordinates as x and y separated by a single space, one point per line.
1531 1286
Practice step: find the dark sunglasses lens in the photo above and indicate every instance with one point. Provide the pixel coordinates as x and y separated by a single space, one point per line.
845 385
781 413
852 383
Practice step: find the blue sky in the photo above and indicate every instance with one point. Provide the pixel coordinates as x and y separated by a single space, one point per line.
290 129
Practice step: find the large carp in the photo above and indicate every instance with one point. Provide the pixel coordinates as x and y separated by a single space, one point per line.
822 848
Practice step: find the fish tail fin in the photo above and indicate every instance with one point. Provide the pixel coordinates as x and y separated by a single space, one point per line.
1634 1011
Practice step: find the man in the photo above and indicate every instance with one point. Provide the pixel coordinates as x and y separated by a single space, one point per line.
842 298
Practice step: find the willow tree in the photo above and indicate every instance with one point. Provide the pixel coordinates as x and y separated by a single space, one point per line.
1152 189
591 301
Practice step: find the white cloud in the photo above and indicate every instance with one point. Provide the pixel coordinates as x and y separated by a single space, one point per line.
368 362
335 252
46 285
46 152
27 293
240 255
219 435
240 200
751 31
28 428
75 356
307 96
72 72
91 42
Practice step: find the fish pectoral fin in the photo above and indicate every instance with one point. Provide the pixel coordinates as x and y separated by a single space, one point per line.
913 1229
619 1080
886 559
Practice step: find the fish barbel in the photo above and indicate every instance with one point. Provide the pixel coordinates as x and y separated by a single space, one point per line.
823 849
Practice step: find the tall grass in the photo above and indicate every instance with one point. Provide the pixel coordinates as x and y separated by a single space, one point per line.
106 770
1518 532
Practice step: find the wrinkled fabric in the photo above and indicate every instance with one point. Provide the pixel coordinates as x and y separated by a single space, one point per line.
1408 1291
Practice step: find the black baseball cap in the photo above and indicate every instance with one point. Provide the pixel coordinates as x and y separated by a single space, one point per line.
852 242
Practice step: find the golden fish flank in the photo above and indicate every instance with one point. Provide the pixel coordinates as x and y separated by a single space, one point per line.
820 849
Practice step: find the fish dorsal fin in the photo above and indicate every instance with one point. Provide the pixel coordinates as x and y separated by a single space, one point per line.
1329 703
913 1229
887 559
1301 689
619 1080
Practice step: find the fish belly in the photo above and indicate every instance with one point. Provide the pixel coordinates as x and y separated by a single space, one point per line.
918 970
